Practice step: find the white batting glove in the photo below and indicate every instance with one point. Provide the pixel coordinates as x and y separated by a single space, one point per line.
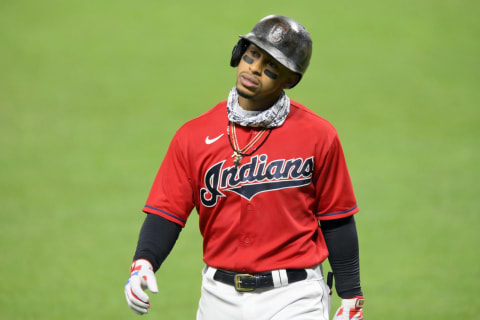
351 309
141 278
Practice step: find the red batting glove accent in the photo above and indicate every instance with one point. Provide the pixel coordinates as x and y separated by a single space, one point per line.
340 312
135 267
356 314
351 309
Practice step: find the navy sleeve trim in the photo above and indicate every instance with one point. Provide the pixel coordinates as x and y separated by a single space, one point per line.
335 213
165 212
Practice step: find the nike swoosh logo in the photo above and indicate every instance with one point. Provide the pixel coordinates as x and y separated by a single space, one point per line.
210 141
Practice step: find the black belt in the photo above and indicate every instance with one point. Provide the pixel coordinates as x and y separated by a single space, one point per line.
250 282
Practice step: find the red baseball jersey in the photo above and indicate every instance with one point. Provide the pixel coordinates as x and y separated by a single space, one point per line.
264 214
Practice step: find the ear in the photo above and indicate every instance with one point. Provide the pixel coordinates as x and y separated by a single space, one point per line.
292 80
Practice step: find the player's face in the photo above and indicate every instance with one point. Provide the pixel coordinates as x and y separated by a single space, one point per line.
261 79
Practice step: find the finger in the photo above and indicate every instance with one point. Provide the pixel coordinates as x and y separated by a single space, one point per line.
151 282
136 309
135 300
137 290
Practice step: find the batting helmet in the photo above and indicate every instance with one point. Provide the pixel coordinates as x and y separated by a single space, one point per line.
286 40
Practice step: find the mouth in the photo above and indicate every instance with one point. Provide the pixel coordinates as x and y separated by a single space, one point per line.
249 81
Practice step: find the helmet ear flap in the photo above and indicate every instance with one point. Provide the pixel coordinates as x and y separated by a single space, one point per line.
238 52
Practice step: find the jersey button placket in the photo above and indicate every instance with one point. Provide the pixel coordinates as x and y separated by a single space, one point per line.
247 239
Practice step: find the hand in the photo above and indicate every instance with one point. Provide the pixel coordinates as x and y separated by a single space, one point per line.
141 278
351 309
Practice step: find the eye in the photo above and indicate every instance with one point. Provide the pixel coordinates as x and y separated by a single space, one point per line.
272 64
254 53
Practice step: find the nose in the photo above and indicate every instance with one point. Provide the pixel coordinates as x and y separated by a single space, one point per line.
256 67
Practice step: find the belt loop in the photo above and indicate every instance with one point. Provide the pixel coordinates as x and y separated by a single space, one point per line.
210 272
276 279
315 272
283 277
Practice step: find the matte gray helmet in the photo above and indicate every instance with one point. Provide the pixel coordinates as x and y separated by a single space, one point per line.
286 40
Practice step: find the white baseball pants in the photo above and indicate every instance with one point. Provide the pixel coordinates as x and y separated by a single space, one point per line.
308 299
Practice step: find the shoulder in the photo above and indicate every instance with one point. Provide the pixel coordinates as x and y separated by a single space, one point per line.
216 116
309 121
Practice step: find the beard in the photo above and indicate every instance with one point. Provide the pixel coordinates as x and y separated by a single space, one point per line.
243 94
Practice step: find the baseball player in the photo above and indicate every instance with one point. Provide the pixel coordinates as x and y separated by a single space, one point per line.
269 181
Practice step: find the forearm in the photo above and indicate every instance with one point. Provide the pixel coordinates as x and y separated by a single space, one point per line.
156 240
342 243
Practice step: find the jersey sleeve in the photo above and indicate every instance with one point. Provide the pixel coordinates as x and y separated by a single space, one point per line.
334 191
171 195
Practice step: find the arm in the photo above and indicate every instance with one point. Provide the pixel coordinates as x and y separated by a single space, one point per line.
342 243
156 240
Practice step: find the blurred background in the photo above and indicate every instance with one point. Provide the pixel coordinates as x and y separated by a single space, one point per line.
91 92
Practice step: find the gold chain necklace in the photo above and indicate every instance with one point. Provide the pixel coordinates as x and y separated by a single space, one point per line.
238 153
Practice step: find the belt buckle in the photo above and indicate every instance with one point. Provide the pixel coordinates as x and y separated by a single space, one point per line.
238 282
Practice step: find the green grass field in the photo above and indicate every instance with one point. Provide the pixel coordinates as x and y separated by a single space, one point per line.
91 92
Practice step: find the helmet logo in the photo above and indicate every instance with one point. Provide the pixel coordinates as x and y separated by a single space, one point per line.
277 33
